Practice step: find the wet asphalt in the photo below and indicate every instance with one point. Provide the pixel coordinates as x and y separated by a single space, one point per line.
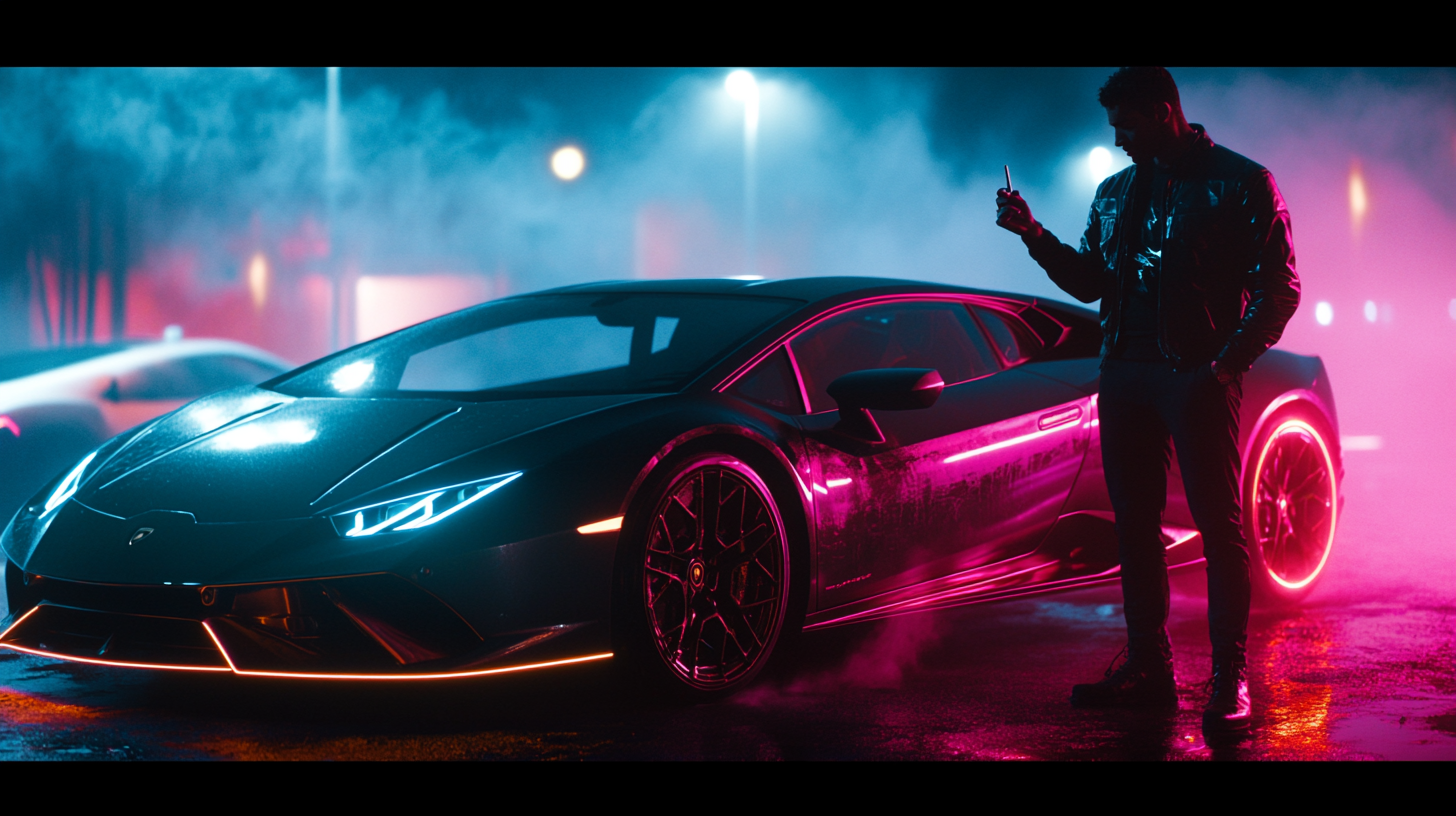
1364 669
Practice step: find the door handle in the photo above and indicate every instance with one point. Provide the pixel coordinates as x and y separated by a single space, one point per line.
1056 419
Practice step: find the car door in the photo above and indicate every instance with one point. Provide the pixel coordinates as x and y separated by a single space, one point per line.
963 483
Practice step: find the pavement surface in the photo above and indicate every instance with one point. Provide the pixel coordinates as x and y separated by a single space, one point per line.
1365 668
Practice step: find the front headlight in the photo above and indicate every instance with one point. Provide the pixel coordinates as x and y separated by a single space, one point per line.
417 510
67 488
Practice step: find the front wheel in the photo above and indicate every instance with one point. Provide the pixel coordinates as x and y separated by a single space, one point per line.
1291 504
704 575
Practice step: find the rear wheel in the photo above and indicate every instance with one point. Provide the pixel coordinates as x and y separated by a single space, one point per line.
705 579
1291 504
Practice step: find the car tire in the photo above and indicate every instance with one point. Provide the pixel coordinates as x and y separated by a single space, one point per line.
1291 504
705 571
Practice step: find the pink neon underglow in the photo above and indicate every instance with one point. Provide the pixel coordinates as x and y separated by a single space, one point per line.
436 676
1008 442
1296 426
9 424
604 526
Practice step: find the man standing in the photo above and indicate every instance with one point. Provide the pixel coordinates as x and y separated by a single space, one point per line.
1189 251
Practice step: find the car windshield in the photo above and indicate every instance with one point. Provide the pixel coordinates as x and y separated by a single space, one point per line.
558 345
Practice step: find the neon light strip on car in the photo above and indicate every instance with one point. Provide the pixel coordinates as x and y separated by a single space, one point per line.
1005 443
94 661
1301 425
119 663
233 669
435 676
607 526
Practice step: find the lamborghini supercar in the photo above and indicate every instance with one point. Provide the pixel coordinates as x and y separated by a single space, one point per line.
682 476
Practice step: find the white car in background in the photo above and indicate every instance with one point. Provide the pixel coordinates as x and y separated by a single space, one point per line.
58 403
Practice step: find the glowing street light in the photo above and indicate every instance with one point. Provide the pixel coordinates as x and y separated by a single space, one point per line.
1359 201
741 85
258 279
567 163
1324 313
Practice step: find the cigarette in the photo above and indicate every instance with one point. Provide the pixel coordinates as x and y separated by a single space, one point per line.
1007 168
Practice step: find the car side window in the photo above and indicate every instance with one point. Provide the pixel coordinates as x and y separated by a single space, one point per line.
166 380
771 383
1013 339
909 334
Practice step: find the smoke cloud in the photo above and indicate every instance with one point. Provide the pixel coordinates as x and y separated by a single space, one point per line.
845 185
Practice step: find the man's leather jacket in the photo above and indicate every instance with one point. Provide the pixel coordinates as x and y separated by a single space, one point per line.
1227 284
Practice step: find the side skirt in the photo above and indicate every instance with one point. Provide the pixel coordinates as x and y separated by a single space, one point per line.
1080 551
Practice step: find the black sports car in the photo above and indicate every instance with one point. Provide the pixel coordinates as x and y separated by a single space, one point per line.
680 475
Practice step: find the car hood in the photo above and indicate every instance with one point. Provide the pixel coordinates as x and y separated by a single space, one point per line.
257 455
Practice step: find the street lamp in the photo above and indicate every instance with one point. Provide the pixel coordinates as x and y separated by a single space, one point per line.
568 162
743 87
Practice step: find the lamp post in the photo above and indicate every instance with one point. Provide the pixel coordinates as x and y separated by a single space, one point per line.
743 87
331 191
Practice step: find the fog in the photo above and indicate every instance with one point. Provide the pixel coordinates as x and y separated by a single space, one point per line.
183 179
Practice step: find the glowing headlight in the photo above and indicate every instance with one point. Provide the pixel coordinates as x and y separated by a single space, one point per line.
67 488
418 510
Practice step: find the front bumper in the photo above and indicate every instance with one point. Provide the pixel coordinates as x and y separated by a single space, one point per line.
376 626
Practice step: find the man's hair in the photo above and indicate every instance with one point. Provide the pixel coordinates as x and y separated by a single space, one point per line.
1140 89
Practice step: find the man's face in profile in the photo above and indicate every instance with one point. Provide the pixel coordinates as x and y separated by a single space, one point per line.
1139 135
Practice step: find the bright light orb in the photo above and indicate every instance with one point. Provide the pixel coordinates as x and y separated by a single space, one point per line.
258 279
1370 311
1324 313
352 376
1359 199
1099 161
567 163
741 85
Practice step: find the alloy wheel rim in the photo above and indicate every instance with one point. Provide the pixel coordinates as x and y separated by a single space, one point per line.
1294 504
714 576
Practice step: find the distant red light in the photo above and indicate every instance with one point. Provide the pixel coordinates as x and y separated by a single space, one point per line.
9 424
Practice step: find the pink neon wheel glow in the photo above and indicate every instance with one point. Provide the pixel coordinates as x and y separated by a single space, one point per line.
1294 504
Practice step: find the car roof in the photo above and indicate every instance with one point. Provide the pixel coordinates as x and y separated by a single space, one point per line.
124 357
807 289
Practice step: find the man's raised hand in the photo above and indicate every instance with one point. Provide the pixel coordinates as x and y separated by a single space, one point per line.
1013 213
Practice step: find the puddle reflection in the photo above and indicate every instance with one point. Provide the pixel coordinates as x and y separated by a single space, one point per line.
1296 665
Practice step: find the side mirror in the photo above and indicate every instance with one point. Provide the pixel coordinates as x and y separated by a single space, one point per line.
882 389
112 392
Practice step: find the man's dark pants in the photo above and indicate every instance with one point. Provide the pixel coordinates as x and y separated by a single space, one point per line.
1142 406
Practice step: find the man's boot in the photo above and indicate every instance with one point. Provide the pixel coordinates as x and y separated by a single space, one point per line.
1228 707
1144 680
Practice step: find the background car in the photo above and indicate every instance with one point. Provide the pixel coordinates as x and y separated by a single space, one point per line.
681 475
56 404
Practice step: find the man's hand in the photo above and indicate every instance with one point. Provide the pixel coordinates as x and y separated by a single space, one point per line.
1223 375
1013 213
